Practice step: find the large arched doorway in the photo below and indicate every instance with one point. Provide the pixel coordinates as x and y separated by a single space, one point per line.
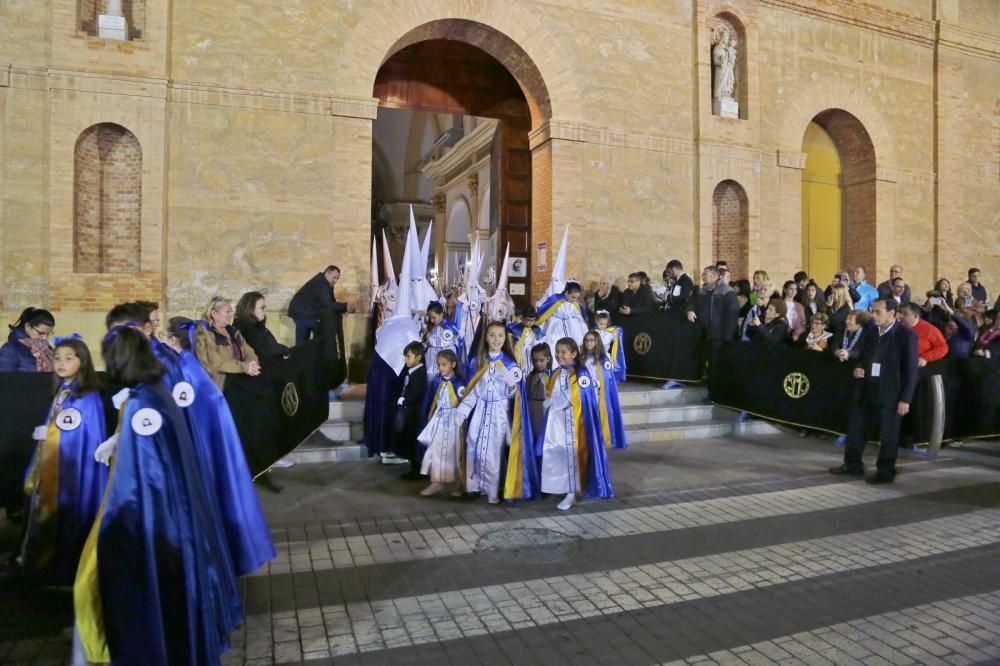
838 196
464 68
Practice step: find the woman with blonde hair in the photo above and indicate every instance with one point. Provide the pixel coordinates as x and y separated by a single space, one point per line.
220 347
840 306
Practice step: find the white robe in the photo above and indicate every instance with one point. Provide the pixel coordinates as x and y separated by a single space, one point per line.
435 343
442 436
523 355
489 430
565 322
560 473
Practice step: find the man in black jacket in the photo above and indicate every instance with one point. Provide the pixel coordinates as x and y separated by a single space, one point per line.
716 309
683 287
887 379
638 298
315 297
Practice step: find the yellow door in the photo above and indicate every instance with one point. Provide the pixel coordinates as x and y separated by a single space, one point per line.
821 205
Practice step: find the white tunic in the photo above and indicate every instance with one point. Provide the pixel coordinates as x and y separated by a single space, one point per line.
560 473
442 436
438 339
522 351
565 322
489 430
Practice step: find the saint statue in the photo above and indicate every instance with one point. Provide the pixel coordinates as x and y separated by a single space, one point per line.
724 60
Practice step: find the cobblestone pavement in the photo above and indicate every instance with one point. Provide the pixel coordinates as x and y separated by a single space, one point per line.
729 551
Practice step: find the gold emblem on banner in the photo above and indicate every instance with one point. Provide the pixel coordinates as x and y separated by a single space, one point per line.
796 385
642 343
290 399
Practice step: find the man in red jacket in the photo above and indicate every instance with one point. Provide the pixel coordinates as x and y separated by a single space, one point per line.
931 345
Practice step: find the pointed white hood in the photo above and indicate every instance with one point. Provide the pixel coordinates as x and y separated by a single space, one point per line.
399 329
390 272
500 306
558 280
373 279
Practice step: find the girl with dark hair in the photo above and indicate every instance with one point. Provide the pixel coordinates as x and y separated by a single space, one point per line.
155 584
563 315
27 348
497 386
64 483
571 444
602 371
251 322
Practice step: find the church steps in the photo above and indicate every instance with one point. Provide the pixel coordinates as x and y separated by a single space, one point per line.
650 414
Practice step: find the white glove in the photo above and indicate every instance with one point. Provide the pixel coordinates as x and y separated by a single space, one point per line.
119 398
40 433
107 449
508 378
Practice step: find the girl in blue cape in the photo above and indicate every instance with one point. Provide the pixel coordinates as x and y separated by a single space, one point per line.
224 465
563 316
613 339
155 584
602 371
64 483
443 435
499 417
571 444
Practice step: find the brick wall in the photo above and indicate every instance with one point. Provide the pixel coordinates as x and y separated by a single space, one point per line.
107 200
731 227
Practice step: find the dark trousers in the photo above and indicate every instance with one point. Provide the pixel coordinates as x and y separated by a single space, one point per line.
868 416
710 355
304 328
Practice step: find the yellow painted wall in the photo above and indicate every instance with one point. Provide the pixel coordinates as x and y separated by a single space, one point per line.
821 214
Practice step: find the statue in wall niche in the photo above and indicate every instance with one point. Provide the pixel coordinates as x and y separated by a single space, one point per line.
724 61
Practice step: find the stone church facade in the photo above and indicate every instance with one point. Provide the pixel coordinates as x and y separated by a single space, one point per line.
227 146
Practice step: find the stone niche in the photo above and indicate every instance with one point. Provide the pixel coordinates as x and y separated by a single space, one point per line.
132 11
728 58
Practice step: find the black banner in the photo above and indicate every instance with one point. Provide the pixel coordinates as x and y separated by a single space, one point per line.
275 411
25 398
661 346
814 390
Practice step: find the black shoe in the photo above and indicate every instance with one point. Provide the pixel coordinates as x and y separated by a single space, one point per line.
267 482
882 477
412 476
845 470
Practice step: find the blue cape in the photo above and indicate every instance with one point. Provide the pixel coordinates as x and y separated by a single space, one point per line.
167 588
612 405
598 473
217 441
53 541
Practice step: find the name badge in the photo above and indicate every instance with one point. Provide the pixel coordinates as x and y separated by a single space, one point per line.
677 290
876 369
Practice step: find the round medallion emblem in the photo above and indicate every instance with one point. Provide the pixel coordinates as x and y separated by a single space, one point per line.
183 394
290 399
69 419
642 343
147 421
796 385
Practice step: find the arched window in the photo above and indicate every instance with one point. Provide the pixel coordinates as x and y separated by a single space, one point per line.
107 210
731 227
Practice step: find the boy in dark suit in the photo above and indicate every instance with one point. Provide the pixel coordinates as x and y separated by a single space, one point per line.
887 378
410 413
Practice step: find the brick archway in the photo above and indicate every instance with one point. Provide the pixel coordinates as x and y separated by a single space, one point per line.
464 67
858 187
731 227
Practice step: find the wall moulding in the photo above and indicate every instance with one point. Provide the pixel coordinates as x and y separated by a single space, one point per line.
861 15
792 159
606 136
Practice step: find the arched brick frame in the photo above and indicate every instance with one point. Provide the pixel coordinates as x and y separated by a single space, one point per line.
731 227
858 187
107 200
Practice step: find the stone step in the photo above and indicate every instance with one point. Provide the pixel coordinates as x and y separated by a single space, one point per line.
347 410
644 395
670 413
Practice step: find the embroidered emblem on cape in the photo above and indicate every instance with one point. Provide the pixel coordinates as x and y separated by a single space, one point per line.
147 421
607 365
69 419
642 343
584 382
290 399
183 394
447 335
796 385
517 374
461 391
